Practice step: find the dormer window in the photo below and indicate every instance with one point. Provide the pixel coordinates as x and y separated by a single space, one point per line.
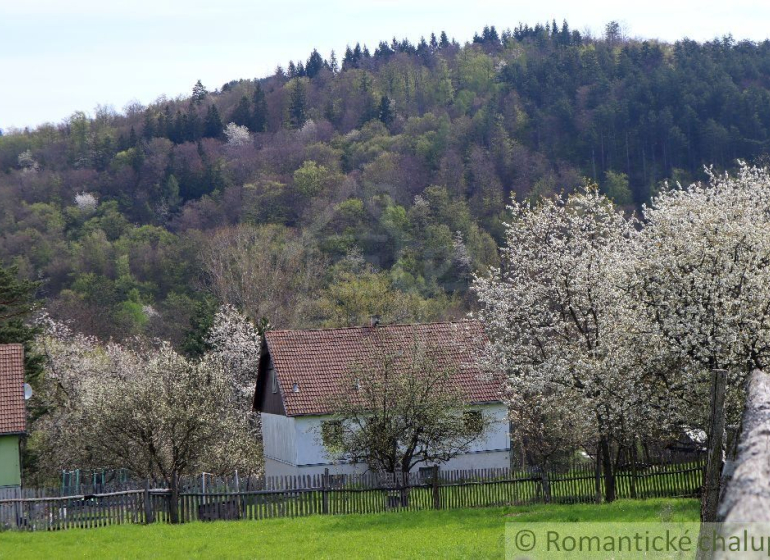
295 388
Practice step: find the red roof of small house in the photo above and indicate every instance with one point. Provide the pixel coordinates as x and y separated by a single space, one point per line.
12 407
310 365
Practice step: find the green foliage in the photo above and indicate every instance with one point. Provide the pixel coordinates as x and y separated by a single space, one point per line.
616 187
410 158
311 178
17 301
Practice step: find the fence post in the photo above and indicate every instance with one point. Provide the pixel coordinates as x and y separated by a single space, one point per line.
633 469
436 493
546 485
325 491
148 513
713 471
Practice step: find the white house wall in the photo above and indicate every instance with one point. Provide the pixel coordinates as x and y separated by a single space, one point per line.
292 446
279 438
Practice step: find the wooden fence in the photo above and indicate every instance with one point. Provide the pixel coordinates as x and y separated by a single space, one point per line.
297 496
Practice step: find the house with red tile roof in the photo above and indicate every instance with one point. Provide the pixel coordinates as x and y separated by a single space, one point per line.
300 369
12 413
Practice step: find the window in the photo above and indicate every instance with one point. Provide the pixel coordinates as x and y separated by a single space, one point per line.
275 381
474 421
426 473
331 433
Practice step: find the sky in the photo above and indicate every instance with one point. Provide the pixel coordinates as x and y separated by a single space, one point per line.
58 57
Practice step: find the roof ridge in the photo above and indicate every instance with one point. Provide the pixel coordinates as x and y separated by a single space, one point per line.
380 326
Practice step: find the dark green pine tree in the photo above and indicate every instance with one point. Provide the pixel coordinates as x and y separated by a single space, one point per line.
314 64
241 115
148 130
199 93
259 116
444 40
297 104
201 321
17 302
176 132
193 129
212 126
385 111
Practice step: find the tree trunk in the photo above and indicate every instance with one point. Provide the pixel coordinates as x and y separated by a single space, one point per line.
598 476
173 505
609 475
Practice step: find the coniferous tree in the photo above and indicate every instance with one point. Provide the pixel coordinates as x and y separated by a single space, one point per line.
148 130
212 127
297 104
314 64
193 129
176 134
199 93
385 111
241 115
348 61
444 40
17 301
433 42
333 64
259 116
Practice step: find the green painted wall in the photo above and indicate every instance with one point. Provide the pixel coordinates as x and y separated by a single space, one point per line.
10 473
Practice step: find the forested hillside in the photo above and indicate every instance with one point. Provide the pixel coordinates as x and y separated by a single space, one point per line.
369 183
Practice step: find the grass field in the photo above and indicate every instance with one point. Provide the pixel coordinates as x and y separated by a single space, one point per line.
464 533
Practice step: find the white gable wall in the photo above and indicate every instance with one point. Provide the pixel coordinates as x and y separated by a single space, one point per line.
292 445
279 438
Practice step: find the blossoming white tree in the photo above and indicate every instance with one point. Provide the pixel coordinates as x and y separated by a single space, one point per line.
237 135
702 277
703 271
234 340
551 313
143 407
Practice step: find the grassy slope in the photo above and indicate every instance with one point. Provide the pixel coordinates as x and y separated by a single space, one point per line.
469 533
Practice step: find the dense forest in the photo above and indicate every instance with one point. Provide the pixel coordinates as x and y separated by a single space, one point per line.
373 182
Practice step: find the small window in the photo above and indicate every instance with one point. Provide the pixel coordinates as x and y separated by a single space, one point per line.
331 433
474 422
426 473
275 382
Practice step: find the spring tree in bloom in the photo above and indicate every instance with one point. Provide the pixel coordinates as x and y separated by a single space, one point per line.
143 407
551 312
702 273
237 135
235 341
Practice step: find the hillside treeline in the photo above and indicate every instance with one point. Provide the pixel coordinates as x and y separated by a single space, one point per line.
369 182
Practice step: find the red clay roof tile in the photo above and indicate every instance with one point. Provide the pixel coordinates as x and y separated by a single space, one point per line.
12 407
317 360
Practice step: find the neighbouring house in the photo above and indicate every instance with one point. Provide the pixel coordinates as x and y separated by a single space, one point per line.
298 370
12 415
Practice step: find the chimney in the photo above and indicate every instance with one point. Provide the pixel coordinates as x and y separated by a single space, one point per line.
374 320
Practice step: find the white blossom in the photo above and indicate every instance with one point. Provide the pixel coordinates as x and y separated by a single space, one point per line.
236 342
237 135
86 202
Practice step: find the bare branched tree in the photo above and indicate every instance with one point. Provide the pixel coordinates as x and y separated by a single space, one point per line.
402 408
